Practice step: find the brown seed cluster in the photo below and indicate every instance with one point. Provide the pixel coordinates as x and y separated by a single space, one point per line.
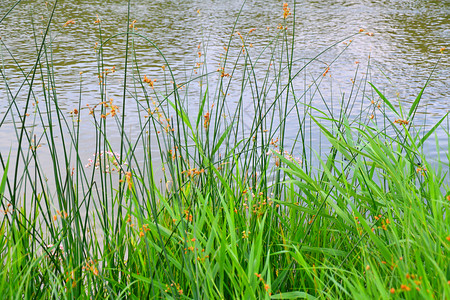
401 122
286 10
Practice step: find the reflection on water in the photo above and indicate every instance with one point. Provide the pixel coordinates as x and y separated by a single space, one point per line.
403 51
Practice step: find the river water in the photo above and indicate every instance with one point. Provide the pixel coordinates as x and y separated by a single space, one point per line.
404 47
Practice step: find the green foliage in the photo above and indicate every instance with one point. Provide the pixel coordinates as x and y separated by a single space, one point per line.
233 214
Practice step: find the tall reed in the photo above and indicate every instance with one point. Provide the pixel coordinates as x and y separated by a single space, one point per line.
210 197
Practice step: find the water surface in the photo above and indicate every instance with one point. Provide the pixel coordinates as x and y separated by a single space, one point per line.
404 49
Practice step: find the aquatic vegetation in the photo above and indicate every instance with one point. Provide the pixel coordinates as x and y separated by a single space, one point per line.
203 194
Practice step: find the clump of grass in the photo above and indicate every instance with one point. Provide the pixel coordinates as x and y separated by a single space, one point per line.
216 201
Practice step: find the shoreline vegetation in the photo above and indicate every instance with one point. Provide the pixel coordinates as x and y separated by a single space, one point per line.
239 211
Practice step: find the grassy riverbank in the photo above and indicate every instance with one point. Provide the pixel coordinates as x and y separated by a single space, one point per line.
200 200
